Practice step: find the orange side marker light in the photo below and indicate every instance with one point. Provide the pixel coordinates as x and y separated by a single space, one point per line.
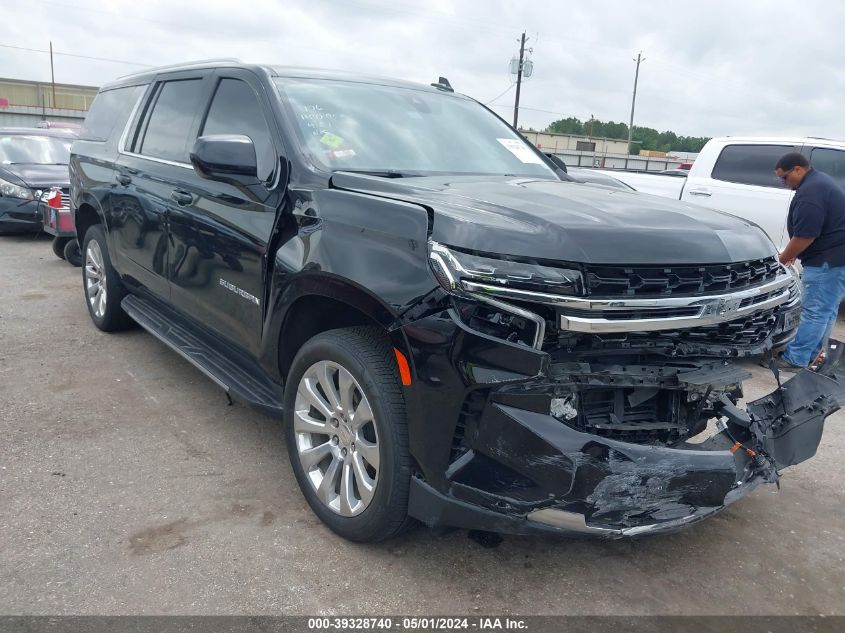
404 368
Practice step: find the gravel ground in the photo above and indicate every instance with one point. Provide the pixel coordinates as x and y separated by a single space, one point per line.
128 486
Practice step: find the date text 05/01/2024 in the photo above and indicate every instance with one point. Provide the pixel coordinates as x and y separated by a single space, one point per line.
480 623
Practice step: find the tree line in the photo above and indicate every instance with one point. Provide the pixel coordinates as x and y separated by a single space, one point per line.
648 138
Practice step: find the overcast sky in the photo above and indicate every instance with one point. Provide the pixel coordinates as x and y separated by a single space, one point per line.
711 68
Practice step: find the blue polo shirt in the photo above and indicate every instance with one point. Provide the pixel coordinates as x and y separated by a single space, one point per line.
818 210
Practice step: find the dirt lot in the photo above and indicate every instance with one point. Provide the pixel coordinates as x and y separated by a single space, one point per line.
127 485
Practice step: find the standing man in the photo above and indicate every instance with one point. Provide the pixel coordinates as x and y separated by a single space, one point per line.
816 227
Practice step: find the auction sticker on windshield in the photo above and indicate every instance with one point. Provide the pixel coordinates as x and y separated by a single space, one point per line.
520 150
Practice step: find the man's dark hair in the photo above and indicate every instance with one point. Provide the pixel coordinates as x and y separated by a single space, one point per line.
792 160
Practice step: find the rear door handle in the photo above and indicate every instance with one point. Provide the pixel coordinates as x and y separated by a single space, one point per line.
123 179
182 198
700 192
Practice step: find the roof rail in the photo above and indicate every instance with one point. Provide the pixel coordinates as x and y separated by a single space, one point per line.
825 138
183 65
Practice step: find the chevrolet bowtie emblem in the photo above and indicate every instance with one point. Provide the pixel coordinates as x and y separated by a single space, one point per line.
727 306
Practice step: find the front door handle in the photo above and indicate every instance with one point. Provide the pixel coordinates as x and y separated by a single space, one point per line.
700 192
123 179
182 198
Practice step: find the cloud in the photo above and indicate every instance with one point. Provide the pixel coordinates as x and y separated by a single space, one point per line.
711 68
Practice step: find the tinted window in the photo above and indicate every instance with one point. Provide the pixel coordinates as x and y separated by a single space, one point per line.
169 123
831 162
235 110
108 107
750 164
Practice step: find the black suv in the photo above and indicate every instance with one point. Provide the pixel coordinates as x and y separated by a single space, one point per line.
450 330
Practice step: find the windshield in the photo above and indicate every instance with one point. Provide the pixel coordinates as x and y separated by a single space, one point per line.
34 150
403 131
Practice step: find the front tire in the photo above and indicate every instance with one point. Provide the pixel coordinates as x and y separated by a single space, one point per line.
101 283
347 433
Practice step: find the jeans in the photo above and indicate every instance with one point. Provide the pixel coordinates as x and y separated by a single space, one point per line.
824 288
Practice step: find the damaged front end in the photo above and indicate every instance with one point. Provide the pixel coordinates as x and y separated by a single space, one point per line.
577 415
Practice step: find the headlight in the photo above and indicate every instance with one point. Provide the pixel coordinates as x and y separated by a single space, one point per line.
457 271
11 190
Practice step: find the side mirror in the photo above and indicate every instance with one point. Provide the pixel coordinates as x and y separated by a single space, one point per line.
225 157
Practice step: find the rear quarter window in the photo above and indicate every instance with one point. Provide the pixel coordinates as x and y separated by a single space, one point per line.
109 107
750 164
831 162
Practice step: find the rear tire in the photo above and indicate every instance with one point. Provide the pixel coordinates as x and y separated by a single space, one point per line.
72 253
101 284
58 245
347 433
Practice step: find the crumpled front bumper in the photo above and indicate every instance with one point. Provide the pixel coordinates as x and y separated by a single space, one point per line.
528 472
19 216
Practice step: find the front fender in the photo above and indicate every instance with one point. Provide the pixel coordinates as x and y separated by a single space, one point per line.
366 252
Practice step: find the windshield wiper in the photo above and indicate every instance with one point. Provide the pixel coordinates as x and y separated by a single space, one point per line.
387 173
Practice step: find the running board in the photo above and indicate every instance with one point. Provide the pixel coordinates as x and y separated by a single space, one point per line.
241 378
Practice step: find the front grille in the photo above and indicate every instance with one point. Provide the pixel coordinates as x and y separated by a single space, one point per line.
761 298
65 197
751 330
745 332
664 281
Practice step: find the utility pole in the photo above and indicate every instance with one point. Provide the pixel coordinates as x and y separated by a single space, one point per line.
52 74
518 81
639 59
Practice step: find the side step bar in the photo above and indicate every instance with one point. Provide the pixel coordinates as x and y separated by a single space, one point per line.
240 377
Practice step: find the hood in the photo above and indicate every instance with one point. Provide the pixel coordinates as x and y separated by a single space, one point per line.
39 176
569 221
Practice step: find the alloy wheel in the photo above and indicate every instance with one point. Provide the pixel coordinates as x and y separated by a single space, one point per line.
336 438
95 279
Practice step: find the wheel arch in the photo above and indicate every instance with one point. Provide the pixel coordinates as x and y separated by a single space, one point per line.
87 214
317 303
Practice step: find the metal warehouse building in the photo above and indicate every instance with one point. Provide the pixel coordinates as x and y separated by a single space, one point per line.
25 103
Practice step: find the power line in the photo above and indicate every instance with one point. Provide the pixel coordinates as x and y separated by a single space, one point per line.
507 90
101 59
502 105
